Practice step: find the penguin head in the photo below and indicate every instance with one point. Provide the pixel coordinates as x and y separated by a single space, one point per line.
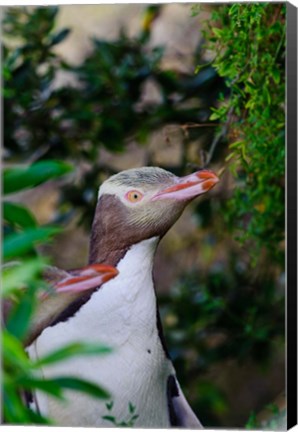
141 203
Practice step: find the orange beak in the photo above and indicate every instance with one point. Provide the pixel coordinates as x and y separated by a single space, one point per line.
188 187
86 278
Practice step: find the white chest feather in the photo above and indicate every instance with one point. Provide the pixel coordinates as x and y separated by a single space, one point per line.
121 314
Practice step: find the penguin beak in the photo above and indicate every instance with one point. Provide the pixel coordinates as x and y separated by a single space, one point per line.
86 278
188 187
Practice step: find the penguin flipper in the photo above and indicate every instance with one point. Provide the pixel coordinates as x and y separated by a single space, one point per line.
180 412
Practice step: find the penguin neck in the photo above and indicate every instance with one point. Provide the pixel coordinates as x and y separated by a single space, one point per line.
128 300
134 285
109 242
102 253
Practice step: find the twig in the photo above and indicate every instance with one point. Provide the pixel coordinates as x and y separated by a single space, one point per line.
197 125
218 137
41 151
185 127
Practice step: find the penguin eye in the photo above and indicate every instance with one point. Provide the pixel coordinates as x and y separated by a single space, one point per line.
134 196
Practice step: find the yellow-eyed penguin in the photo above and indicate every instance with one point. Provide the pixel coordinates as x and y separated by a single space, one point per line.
134 211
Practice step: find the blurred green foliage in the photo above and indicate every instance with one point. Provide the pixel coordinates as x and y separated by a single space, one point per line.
232 308
277 419
101 106
248 44
22 281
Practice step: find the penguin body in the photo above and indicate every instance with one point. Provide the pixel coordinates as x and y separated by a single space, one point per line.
123 313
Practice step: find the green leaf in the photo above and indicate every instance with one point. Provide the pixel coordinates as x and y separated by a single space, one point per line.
198 68
234 8
59 37
275 75
70 351
13 407
52 386
214 116
109 418
38 418
230 156
236 144
19 318
218 32
16 179
18 215
17 275
131 408
252 422
13 351
18 244
82 386
109 405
